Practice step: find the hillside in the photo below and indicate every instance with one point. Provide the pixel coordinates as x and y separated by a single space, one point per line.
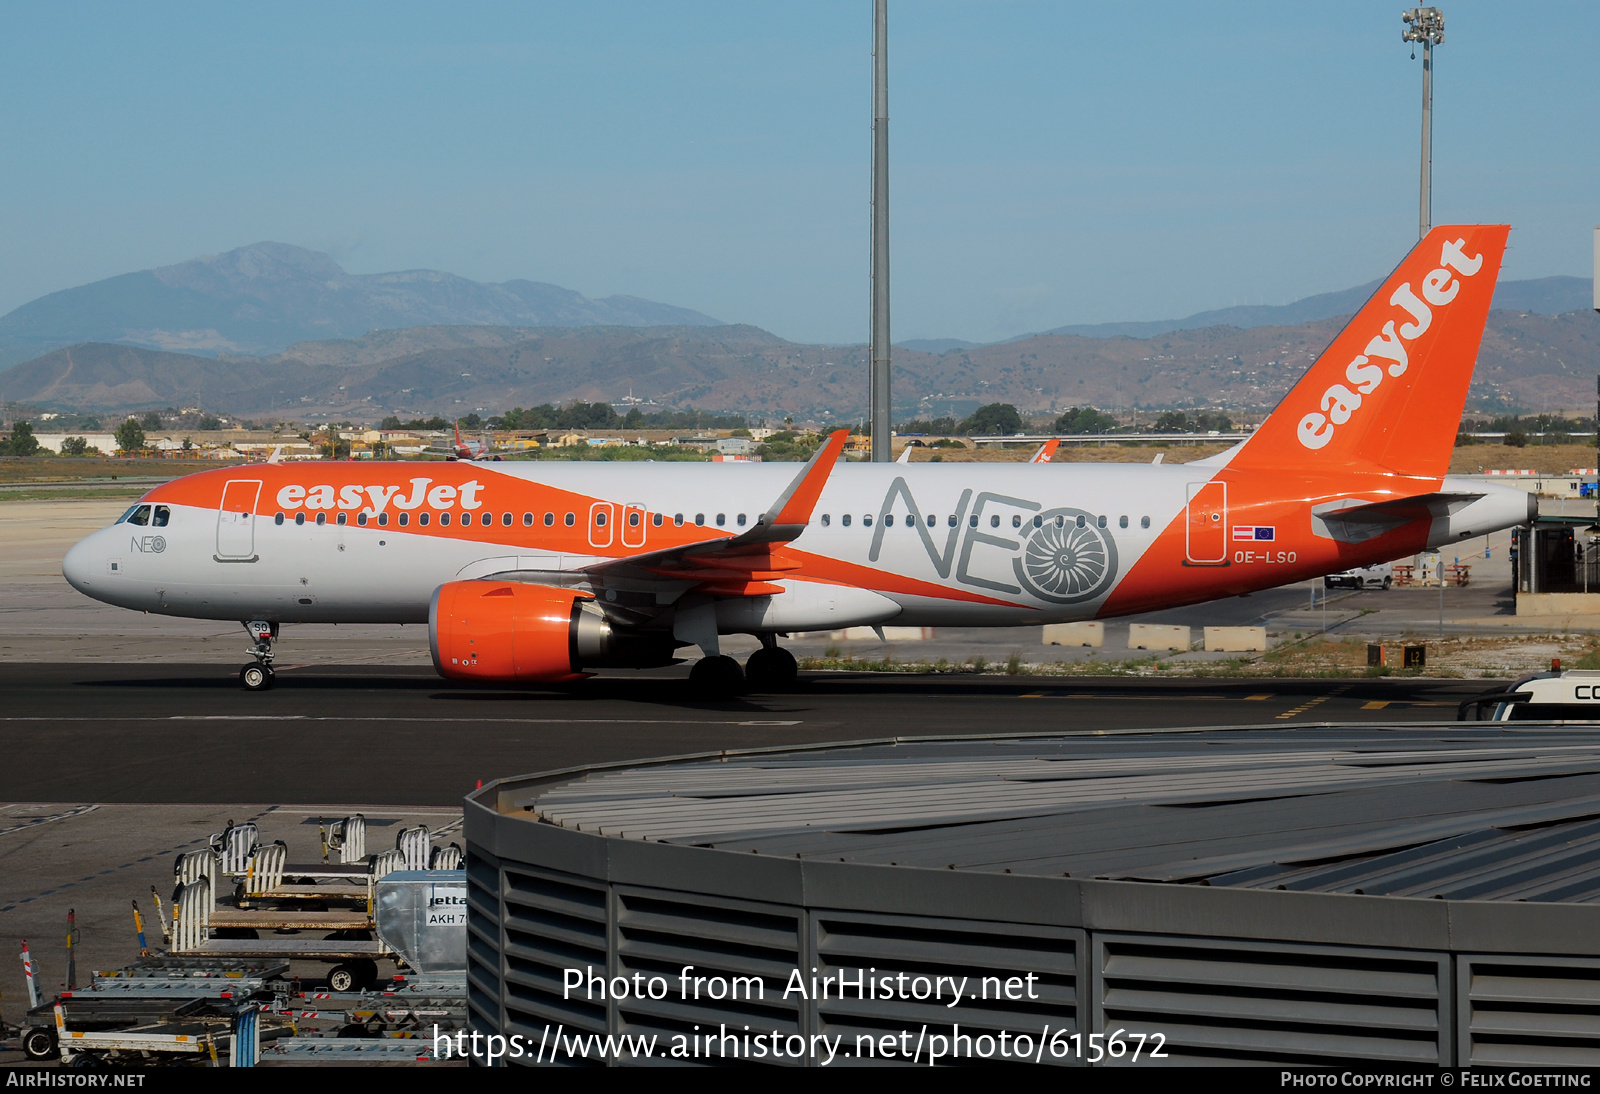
1528 362
262 298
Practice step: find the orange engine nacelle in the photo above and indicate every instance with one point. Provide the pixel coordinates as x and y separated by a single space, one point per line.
511 631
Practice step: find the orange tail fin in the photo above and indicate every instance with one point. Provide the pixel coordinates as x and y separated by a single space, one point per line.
1387 394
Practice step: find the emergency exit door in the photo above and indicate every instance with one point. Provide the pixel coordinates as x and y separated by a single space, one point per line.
1206 531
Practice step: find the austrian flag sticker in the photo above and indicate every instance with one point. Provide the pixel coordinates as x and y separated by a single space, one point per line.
1254 532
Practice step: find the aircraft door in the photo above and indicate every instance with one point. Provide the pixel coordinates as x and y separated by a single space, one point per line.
633 525
236 521
602 515
1206 529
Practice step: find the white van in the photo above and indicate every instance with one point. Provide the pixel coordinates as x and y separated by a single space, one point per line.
1555 696
1380 576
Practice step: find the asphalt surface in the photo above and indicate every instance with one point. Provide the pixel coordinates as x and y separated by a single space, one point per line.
158 733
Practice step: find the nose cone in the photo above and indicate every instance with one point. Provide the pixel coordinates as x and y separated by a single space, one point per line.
79 565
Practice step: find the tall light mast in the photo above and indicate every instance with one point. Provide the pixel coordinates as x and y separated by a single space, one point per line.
1425 25
881 420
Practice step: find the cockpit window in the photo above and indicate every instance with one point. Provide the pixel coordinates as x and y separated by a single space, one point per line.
124 518
162 515
139 514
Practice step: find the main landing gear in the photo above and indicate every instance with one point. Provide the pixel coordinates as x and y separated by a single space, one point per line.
258 676
771 668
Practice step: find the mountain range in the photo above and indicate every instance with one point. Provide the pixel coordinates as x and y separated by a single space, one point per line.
273 331
265 297
1527 362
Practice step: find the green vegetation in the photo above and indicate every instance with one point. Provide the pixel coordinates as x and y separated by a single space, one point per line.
130 435
790 446
937 425
151 420
77 446
1176 421
1084 419
23 442
994 420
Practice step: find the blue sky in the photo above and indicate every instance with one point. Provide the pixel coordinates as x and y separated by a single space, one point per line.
1051 162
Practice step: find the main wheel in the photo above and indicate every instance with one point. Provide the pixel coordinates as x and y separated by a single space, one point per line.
771 669
716 677
39 1043
342 978
256 677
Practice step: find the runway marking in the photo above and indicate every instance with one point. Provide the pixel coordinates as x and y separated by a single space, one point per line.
1141 698
1378 704
1303 707
430 721
34 822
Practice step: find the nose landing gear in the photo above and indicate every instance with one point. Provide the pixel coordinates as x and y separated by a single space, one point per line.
259 675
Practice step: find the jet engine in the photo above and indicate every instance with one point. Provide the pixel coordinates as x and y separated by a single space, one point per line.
510 631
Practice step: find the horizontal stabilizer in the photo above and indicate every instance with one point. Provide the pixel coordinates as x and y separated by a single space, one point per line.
1351 520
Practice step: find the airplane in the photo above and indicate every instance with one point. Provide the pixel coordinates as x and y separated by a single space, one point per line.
540 573
471 450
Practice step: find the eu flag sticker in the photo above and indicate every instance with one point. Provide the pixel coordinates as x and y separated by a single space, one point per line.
1254 532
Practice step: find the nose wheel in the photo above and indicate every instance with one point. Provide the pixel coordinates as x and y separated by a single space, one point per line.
256 677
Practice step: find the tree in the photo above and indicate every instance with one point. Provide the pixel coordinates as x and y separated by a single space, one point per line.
996 419
634 419
1084 419
1173 421
471 421
130 435
152 420
23 442
74 446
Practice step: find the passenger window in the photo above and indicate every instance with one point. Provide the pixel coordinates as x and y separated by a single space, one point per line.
656 519
599 518
994 521
140 515
845 520
278 519
570 520
677 520
1102 520
888 520
488 519
722 518
952 520
1060 520
740 520
344 518
826 520
1144 522
405 519
322 518
444 519
932 520
549 520
866 521
1038 521
361 519
527 520
162 515
299 518
1122 521
505 519
383 520
1082 520
972 521
699 520
1016 520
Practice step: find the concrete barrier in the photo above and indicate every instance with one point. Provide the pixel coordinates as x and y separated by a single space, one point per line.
1558 604
1236 639
1157 636
1075 634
